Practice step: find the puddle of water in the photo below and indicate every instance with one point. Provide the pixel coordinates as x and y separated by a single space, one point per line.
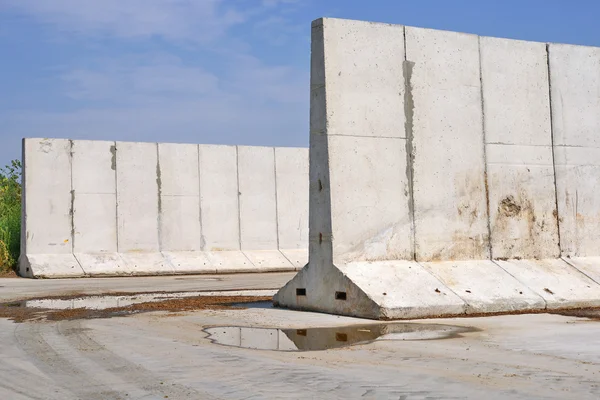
255 304
111 301
315 339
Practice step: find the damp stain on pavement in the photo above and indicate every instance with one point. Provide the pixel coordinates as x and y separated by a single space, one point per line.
123 304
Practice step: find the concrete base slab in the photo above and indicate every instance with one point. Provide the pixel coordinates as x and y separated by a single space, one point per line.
50 266
590 266
147 264
105 264
189 262
376 290
229 261
485 287
560 284
298 258
269 260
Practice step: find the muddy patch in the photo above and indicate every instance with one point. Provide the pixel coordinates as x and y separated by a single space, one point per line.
317 339
124 304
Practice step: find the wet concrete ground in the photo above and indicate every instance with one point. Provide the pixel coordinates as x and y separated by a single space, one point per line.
258 352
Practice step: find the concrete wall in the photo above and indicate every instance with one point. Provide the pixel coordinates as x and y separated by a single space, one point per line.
449 174
94 208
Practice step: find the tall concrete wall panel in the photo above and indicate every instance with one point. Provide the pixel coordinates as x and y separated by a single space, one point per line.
447 145
575 84
366 141
291 173
258 207
47 226
518 132
94 208
462 141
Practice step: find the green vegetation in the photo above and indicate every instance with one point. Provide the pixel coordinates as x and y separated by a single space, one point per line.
10 215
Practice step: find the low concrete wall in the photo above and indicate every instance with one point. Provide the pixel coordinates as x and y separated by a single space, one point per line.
94 208
449 174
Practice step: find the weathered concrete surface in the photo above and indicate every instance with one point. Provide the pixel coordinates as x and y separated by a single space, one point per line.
95 207
448 167
575 84
291 172
46 213
435 158
518 137
157 355
120 208
485 287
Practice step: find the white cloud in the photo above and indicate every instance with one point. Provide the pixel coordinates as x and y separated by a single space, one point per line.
190 20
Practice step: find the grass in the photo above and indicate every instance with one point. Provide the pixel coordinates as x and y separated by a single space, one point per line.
10 215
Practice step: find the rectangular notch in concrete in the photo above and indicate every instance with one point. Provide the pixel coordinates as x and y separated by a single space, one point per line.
520 171
451 220
575 84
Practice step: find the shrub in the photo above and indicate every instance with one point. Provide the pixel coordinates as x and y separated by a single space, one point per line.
10 215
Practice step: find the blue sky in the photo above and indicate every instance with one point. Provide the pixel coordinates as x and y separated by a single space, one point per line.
209 71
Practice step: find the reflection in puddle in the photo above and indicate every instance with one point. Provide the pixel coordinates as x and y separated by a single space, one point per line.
117 301
313 339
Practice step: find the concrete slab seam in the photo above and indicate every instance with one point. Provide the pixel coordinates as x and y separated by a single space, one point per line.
276 200
444 285
72 205
523 283
113 150
552 143
409 108
485 161
239 212
202 240
565 259
159 194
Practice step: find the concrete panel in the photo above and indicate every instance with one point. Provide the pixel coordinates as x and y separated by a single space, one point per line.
229 261
180 199
404 289
518 132
485 287
298 258
451 221
577 181
103 264
95 207
189 262
561 285
219 198
589 266
258 204
269 260
523 216
575 83
147 263
47 210
50 266
365 84
370 213
291 169
137 197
